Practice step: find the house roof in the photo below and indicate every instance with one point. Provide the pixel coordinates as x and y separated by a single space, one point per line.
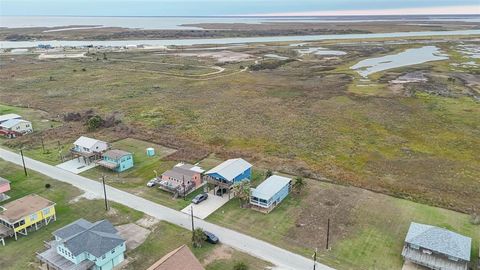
231 168
9 116
12 122
95 238
3 181
270 186
23 207
86 142
191 167
116 154
439 240
180 173
179 259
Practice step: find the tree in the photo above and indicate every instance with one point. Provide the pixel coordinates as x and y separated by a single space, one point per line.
268 173
242 191
299 184
94 122
240 266
198 238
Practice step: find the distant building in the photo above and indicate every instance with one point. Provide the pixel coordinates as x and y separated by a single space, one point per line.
436 248
181 179
4 187
229 172
181 258
83 245
89 149
10 116
116 160
16 127
270 193
27 213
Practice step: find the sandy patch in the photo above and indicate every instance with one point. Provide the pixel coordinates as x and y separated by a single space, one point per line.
61 55
133 234
221 56
87 196
222 252
148 222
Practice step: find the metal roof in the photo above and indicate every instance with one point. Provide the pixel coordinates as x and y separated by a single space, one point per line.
270 186
116 154
231 168
86 142
95 238
12 122
3 181
9 116
439 240
23 207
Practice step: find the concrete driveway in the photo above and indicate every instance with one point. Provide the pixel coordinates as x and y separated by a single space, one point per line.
75 166
207 207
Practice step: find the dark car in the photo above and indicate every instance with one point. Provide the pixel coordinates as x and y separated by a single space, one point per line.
200 198
210 237
221 191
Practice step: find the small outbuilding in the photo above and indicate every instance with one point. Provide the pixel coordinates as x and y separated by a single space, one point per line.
116 160
436 248
270 193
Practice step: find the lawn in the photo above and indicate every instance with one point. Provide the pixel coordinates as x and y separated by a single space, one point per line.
367 229
163 238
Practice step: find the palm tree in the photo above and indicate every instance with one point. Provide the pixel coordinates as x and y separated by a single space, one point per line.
242 191
299 184
198 237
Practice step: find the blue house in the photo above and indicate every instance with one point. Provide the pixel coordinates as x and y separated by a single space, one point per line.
116 160
228 173
83 245
270 193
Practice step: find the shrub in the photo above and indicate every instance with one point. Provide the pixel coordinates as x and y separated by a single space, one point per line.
240 266
47 186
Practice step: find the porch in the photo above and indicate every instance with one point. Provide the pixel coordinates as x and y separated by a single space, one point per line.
432 261
55 261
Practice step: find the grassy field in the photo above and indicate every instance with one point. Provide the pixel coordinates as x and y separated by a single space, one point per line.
367 229
163 238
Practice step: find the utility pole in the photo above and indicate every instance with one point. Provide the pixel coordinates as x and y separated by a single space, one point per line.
183 184
43 146
23 161
315 259
328 232
105 192
193 227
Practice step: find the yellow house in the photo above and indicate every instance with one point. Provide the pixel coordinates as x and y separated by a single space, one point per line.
25 214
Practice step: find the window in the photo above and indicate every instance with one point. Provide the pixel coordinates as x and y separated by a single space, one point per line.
20 223
46 211
33 217
113 251
103 257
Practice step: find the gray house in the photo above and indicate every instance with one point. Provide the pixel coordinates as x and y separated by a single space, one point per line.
83 245
437 248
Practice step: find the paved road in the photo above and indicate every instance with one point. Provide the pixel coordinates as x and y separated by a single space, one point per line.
283 259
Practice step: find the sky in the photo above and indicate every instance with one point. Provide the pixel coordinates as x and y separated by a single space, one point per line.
236 7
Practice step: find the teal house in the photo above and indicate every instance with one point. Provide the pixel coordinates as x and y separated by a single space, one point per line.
83 245
116 160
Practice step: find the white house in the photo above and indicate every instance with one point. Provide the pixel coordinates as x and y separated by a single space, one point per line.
17 125
88 148
10 116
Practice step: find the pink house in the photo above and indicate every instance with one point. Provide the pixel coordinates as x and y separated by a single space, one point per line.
181 179
4 187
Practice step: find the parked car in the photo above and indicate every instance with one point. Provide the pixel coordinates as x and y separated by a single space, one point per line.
200 198
221 191
210 237
152 183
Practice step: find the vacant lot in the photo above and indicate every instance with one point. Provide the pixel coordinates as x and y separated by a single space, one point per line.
305 117
163 238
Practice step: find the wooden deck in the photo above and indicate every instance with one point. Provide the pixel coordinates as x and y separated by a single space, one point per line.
432 261
55 261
